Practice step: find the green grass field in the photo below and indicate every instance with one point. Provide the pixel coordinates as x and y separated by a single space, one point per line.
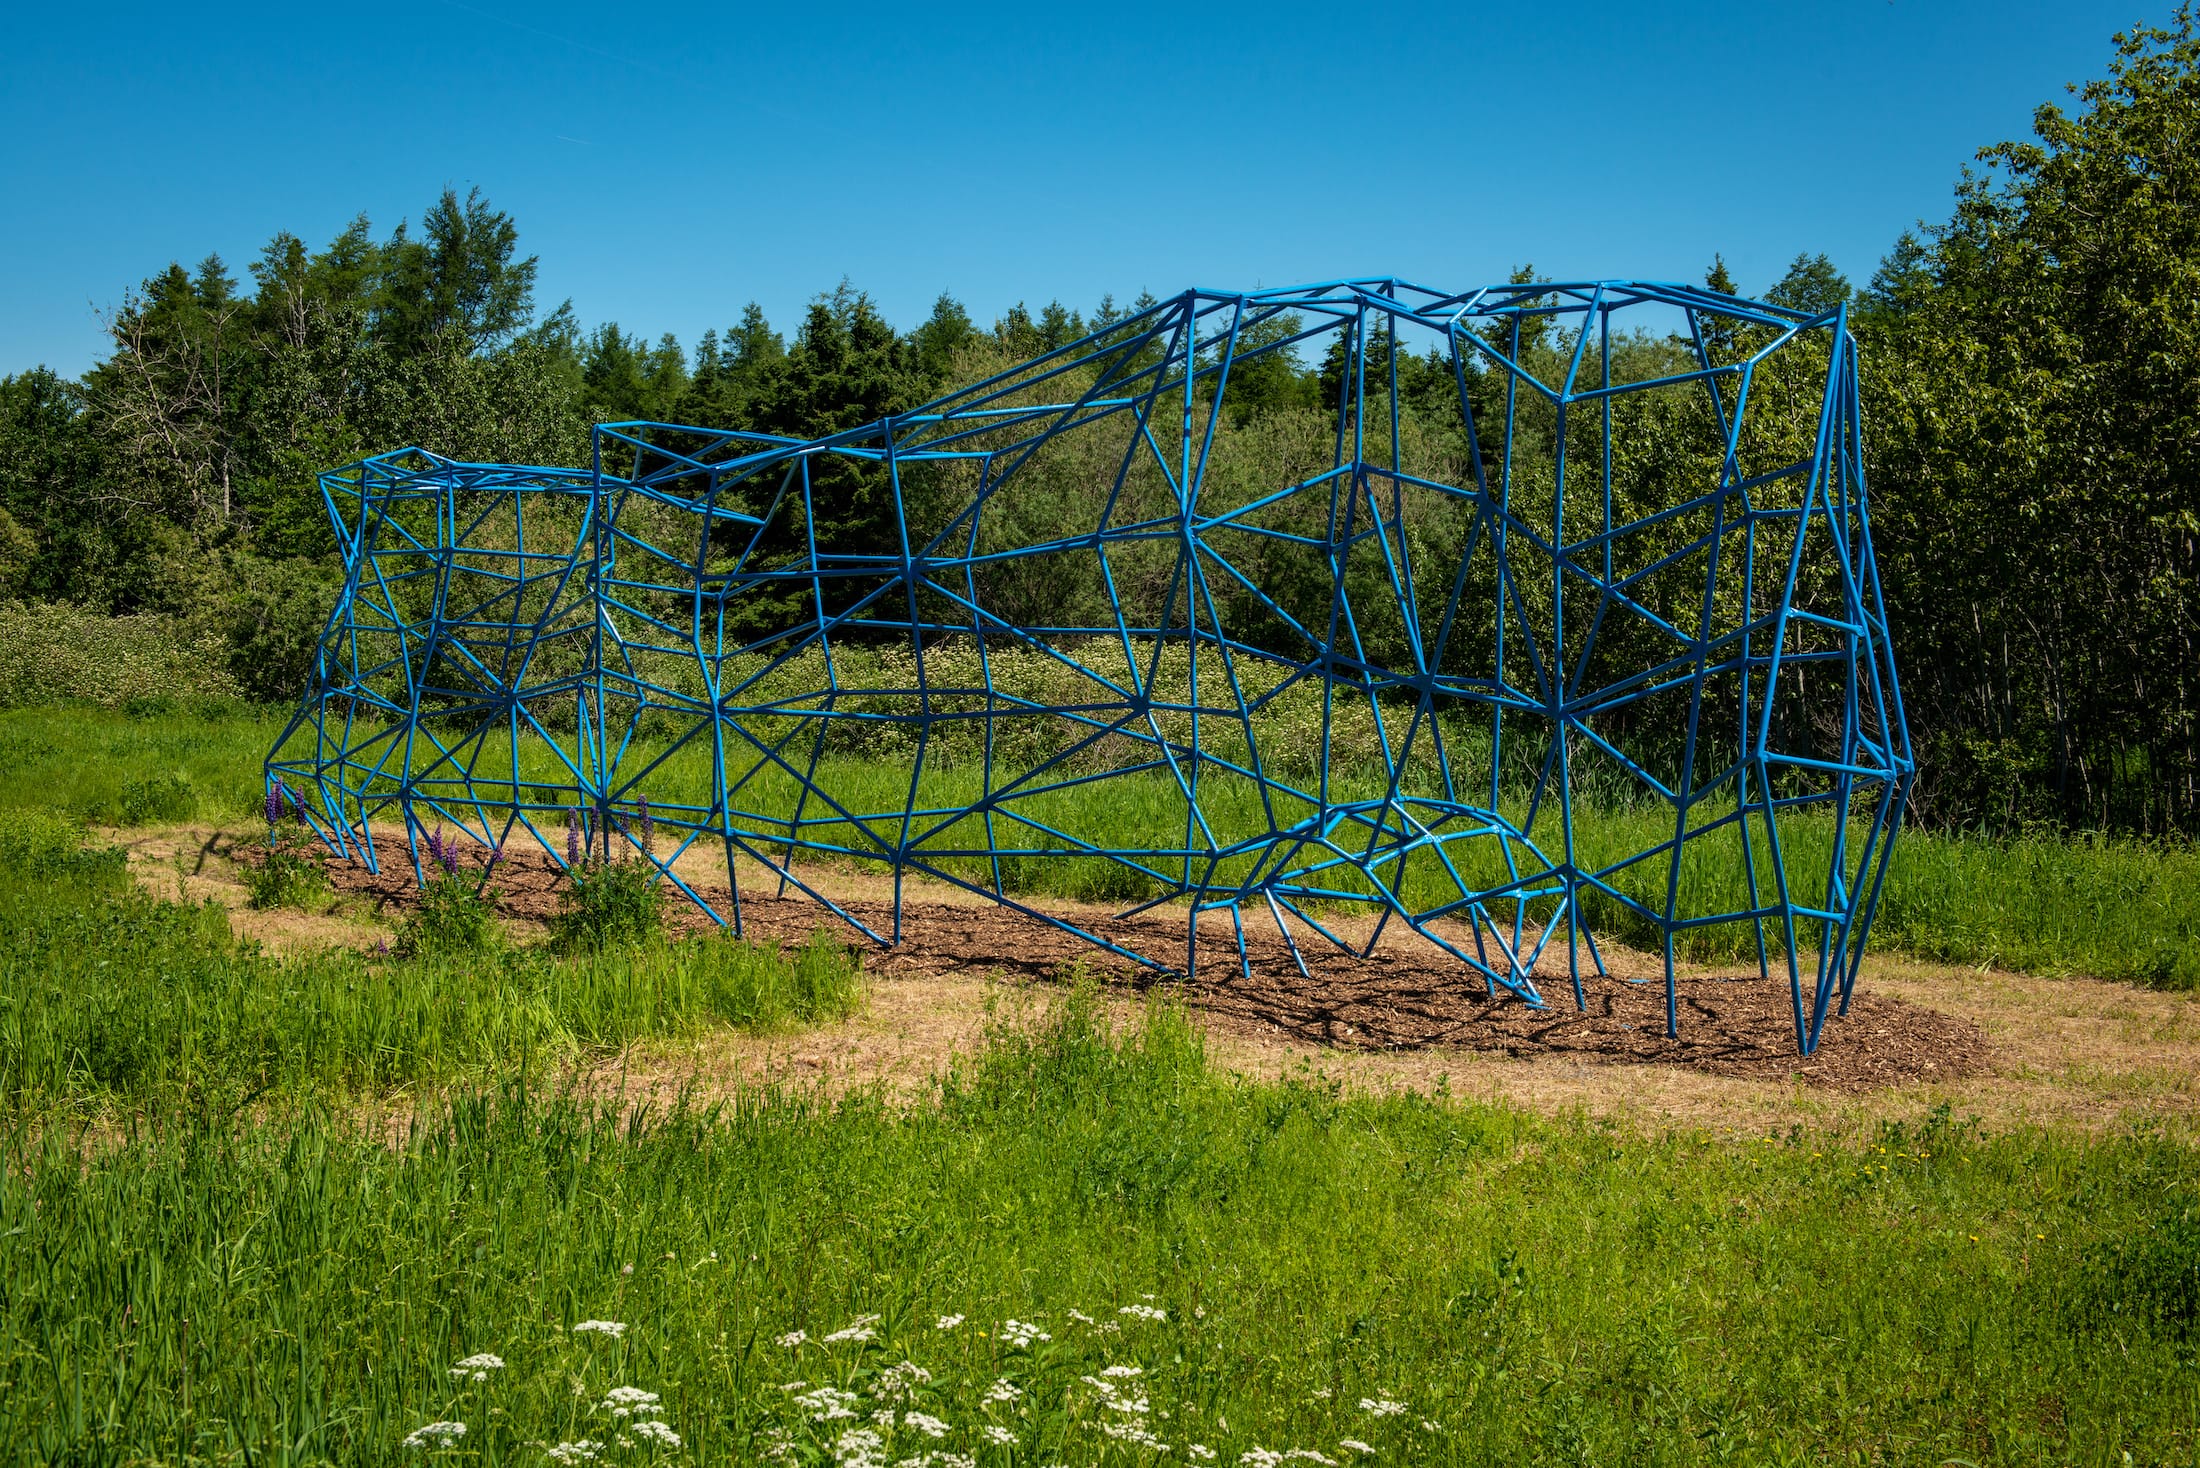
1079 1248
2114 909
1526 1291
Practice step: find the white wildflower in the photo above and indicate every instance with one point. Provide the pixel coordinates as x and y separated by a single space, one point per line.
827 1404
884 1417
1428 1426
1003 1390
1134 1433
993 1432
579 1452
435 1435
1381 1406
897 1382
1260 1458
1021 1333
1123 1371
1321 1394
925 1423
857 1445
791 1339
478 1366
611 1328
792 1386
948 1322
1200 1451
1080 1317
658 1433
858 1329
1354 1445
949 1460
1308 1455
623 1402
1143 1312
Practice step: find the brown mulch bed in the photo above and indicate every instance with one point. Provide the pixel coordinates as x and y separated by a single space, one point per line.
1408 995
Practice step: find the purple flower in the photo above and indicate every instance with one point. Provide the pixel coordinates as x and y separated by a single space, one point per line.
573 840
275 794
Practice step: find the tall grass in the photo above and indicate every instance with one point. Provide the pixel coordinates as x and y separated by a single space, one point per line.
2110 908
1264 1267
161 761
110 997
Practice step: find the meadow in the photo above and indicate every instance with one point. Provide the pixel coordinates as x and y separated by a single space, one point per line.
1083 1244
2044 903
1089 1248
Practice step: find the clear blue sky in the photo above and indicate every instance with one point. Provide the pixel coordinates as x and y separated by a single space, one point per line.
670 163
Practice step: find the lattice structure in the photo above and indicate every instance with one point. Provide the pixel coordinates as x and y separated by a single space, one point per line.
1545 625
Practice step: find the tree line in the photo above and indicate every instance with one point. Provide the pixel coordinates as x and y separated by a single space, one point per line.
2031 369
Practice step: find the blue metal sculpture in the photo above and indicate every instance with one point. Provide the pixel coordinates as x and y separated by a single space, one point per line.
1417 680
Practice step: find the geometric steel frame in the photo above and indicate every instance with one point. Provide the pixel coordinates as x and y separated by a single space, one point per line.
1705 638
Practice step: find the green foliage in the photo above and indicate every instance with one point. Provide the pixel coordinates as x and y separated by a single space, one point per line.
608 904
288 873
626 377
2148 1277
267 616
1812 284
52 652
457 279
2036 443
99 763
158 800
1266 1257
454 914
115 999
2043 903
46 845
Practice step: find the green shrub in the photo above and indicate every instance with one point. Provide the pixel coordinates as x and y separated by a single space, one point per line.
290 875
618 902
157 799
53 652
453 917
827 977
37 843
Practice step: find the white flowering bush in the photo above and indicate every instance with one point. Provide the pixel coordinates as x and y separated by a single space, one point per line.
55 653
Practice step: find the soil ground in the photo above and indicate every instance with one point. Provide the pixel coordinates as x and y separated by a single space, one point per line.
2012 1049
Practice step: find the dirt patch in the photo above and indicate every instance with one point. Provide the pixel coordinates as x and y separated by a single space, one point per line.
1403 995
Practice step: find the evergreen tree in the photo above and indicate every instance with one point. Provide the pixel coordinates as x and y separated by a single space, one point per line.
460 277
1811 284
944 333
